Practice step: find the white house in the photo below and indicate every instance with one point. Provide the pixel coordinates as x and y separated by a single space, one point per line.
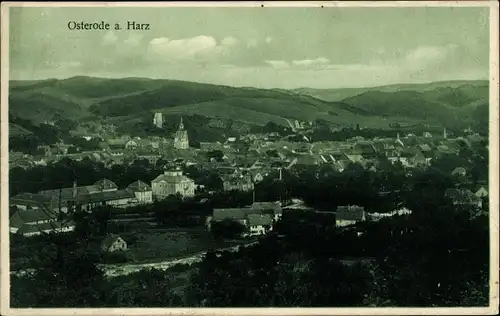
171 183
113 243
130 144
259 224
349 215
482 191
143 192
258 218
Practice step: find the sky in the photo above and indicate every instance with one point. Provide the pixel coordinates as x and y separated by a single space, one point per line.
258 47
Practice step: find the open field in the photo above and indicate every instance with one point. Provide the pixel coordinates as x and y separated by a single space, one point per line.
159 244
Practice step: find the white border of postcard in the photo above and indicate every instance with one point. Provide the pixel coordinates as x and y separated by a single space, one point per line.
493 158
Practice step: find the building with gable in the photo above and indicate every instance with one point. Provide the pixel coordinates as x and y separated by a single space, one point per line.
38 221
113 243
257 218
171 183
349 215
142 192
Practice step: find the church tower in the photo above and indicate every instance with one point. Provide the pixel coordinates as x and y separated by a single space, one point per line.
181 140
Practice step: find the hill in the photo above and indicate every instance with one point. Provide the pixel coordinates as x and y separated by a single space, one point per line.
453 103
343 93
129 102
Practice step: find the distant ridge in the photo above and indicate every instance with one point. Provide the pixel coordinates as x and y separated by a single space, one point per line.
83 97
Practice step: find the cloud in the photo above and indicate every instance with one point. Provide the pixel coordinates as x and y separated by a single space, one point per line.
199 48
252 42
109 38
229 41
278 64
318 63
71 64
429 54
134 39
311 62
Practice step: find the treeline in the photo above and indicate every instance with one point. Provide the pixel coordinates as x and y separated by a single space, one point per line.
46 134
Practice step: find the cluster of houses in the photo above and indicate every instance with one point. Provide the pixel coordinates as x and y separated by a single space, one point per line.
269 150
85 198
244 162
258 218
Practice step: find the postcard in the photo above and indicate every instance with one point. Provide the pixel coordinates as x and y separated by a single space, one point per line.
249 158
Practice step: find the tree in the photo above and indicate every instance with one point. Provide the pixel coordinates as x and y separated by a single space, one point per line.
227 229
215 154
72 150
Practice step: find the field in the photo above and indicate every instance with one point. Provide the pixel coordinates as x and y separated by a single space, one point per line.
160 244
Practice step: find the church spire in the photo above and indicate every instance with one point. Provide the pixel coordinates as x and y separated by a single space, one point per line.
181 125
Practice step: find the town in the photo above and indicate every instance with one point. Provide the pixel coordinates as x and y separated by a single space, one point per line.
239 164
188 201
250 158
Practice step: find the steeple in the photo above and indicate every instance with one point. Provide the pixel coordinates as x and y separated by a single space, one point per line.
181 125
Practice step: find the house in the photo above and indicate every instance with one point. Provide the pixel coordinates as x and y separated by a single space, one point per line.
131 144
30 217
256 176
150 157
273 208
258 218
23 163
238 182
29 201
142 192
424 148
171 183
459 171
36 222
113 243
103 192
355 158
259 224
349 215
62 148
366 149
481 191
118 198
463 197
116 152
427 135
398 143
106 185
416 157
47 228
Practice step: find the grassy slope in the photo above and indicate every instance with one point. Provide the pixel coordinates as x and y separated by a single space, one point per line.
124 100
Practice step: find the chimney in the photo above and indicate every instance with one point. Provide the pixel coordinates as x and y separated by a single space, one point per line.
75 188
